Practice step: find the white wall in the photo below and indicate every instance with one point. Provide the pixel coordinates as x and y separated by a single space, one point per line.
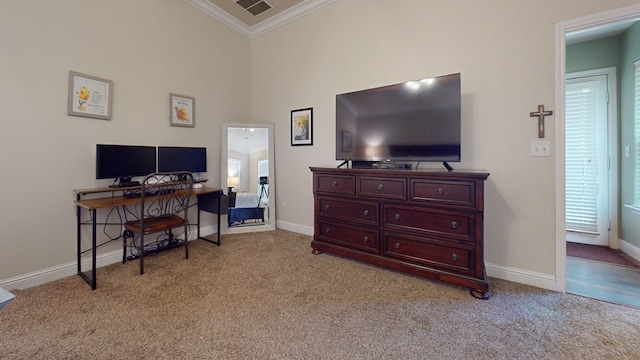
505 52
148 48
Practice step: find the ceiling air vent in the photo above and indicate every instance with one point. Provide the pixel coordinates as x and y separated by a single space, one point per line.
255 7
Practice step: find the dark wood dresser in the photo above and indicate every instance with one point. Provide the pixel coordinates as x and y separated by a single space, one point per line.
424 222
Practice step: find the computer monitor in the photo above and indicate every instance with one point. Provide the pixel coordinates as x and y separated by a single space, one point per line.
180 158
122 162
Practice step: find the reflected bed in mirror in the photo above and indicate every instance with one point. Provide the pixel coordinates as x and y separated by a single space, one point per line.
249 176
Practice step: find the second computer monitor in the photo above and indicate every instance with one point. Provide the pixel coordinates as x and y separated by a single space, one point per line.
180 158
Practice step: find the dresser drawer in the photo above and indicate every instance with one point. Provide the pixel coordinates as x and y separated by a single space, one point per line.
335 184
446 192
456 224
354 237
428 252
383 188
364 212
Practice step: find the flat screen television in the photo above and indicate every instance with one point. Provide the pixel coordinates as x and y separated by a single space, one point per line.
411 121
122 162
179 158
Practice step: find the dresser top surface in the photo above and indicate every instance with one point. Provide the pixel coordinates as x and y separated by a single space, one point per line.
482 174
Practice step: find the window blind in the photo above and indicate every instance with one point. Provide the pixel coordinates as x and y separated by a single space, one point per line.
581 167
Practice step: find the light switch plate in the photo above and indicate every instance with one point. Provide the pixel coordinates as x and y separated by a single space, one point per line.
540 148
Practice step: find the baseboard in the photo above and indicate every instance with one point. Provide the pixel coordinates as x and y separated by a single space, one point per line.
630 249
544 281
58 272
526 277
69 269
296 228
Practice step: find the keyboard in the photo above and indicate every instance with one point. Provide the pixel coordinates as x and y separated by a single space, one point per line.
131 194
125 184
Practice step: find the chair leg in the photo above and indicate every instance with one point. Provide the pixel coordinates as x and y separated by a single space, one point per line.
124 246
186 243
141 253
125 235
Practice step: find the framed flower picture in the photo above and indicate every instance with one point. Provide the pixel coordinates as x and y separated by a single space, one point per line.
89 96
182 110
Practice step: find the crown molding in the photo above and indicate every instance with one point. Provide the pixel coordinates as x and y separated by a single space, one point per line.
285 17
217 13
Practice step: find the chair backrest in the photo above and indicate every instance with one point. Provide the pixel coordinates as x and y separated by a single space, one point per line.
165 194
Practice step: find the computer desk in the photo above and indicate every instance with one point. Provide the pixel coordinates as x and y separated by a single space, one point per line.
209 200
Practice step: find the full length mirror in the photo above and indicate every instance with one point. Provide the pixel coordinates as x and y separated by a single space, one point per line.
248 177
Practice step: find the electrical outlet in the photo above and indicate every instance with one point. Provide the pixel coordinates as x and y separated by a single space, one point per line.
627 151
283 205
540 148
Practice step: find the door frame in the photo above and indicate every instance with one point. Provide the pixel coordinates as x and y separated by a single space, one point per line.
612 148
603 19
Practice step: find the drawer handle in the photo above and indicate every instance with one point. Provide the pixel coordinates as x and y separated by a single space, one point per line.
397 245
366 239
326 231
397 217
365 213
454 224
335 183
440 191
380 186
326 207
454 257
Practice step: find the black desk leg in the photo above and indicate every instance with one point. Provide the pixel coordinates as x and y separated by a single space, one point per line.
78 222
94 252
91 281
219 211
205 198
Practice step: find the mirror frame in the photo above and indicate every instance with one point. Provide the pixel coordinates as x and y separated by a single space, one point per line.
224 151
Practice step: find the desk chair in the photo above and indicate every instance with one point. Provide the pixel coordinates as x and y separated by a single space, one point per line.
164 202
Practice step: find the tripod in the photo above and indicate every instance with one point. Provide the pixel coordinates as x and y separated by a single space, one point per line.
263 191
263 180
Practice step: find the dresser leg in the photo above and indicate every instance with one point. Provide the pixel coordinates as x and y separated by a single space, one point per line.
316 252
479 294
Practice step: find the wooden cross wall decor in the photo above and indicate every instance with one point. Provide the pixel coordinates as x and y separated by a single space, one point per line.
540 114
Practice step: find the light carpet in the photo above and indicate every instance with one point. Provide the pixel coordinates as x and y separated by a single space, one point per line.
265 296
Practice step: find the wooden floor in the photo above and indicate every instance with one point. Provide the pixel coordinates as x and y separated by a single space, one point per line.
603 281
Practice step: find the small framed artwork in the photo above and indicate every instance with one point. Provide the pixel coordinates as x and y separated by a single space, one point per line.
302 127
182 110
89 96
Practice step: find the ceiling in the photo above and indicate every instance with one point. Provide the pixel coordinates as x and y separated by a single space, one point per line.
256 17
239 14
248 139
246 17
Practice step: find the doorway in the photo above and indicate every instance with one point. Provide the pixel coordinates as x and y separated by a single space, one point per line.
579 28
